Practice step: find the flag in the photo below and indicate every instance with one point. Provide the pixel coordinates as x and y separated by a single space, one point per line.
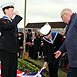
22 74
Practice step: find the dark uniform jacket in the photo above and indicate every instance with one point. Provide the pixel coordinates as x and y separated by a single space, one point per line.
9 36
51 46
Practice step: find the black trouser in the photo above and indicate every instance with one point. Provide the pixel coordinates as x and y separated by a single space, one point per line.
53 66
72 72
8 64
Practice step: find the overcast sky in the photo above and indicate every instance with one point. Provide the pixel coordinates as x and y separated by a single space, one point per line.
41 10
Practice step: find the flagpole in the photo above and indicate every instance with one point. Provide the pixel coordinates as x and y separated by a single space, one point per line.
24 26
25 54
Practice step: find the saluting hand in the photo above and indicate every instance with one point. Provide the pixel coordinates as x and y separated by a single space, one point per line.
57 54
16 13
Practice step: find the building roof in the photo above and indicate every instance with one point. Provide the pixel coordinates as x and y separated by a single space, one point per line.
52 24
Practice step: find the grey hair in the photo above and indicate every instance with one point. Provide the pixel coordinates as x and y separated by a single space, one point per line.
66 10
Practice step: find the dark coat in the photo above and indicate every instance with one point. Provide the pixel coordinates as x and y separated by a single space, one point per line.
70 43
9 36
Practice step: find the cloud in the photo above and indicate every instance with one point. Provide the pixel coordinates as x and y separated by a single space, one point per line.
47 10
41 10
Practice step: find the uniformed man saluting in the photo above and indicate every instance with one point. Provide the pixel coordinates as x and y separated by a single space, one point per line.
9 41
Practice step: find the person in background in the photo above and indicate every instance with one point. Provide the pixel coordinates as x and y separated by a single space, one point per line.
70 42
37 44
9 37
26 32
34 30
51 43
20 38
41 47
29 42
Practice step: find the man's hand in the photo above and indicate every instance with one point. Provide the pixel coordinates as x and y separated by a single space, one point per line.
45 64
57 54
16 13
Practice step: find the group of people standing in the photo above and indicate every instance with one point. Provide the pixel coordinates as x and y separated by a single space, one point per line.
33 43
